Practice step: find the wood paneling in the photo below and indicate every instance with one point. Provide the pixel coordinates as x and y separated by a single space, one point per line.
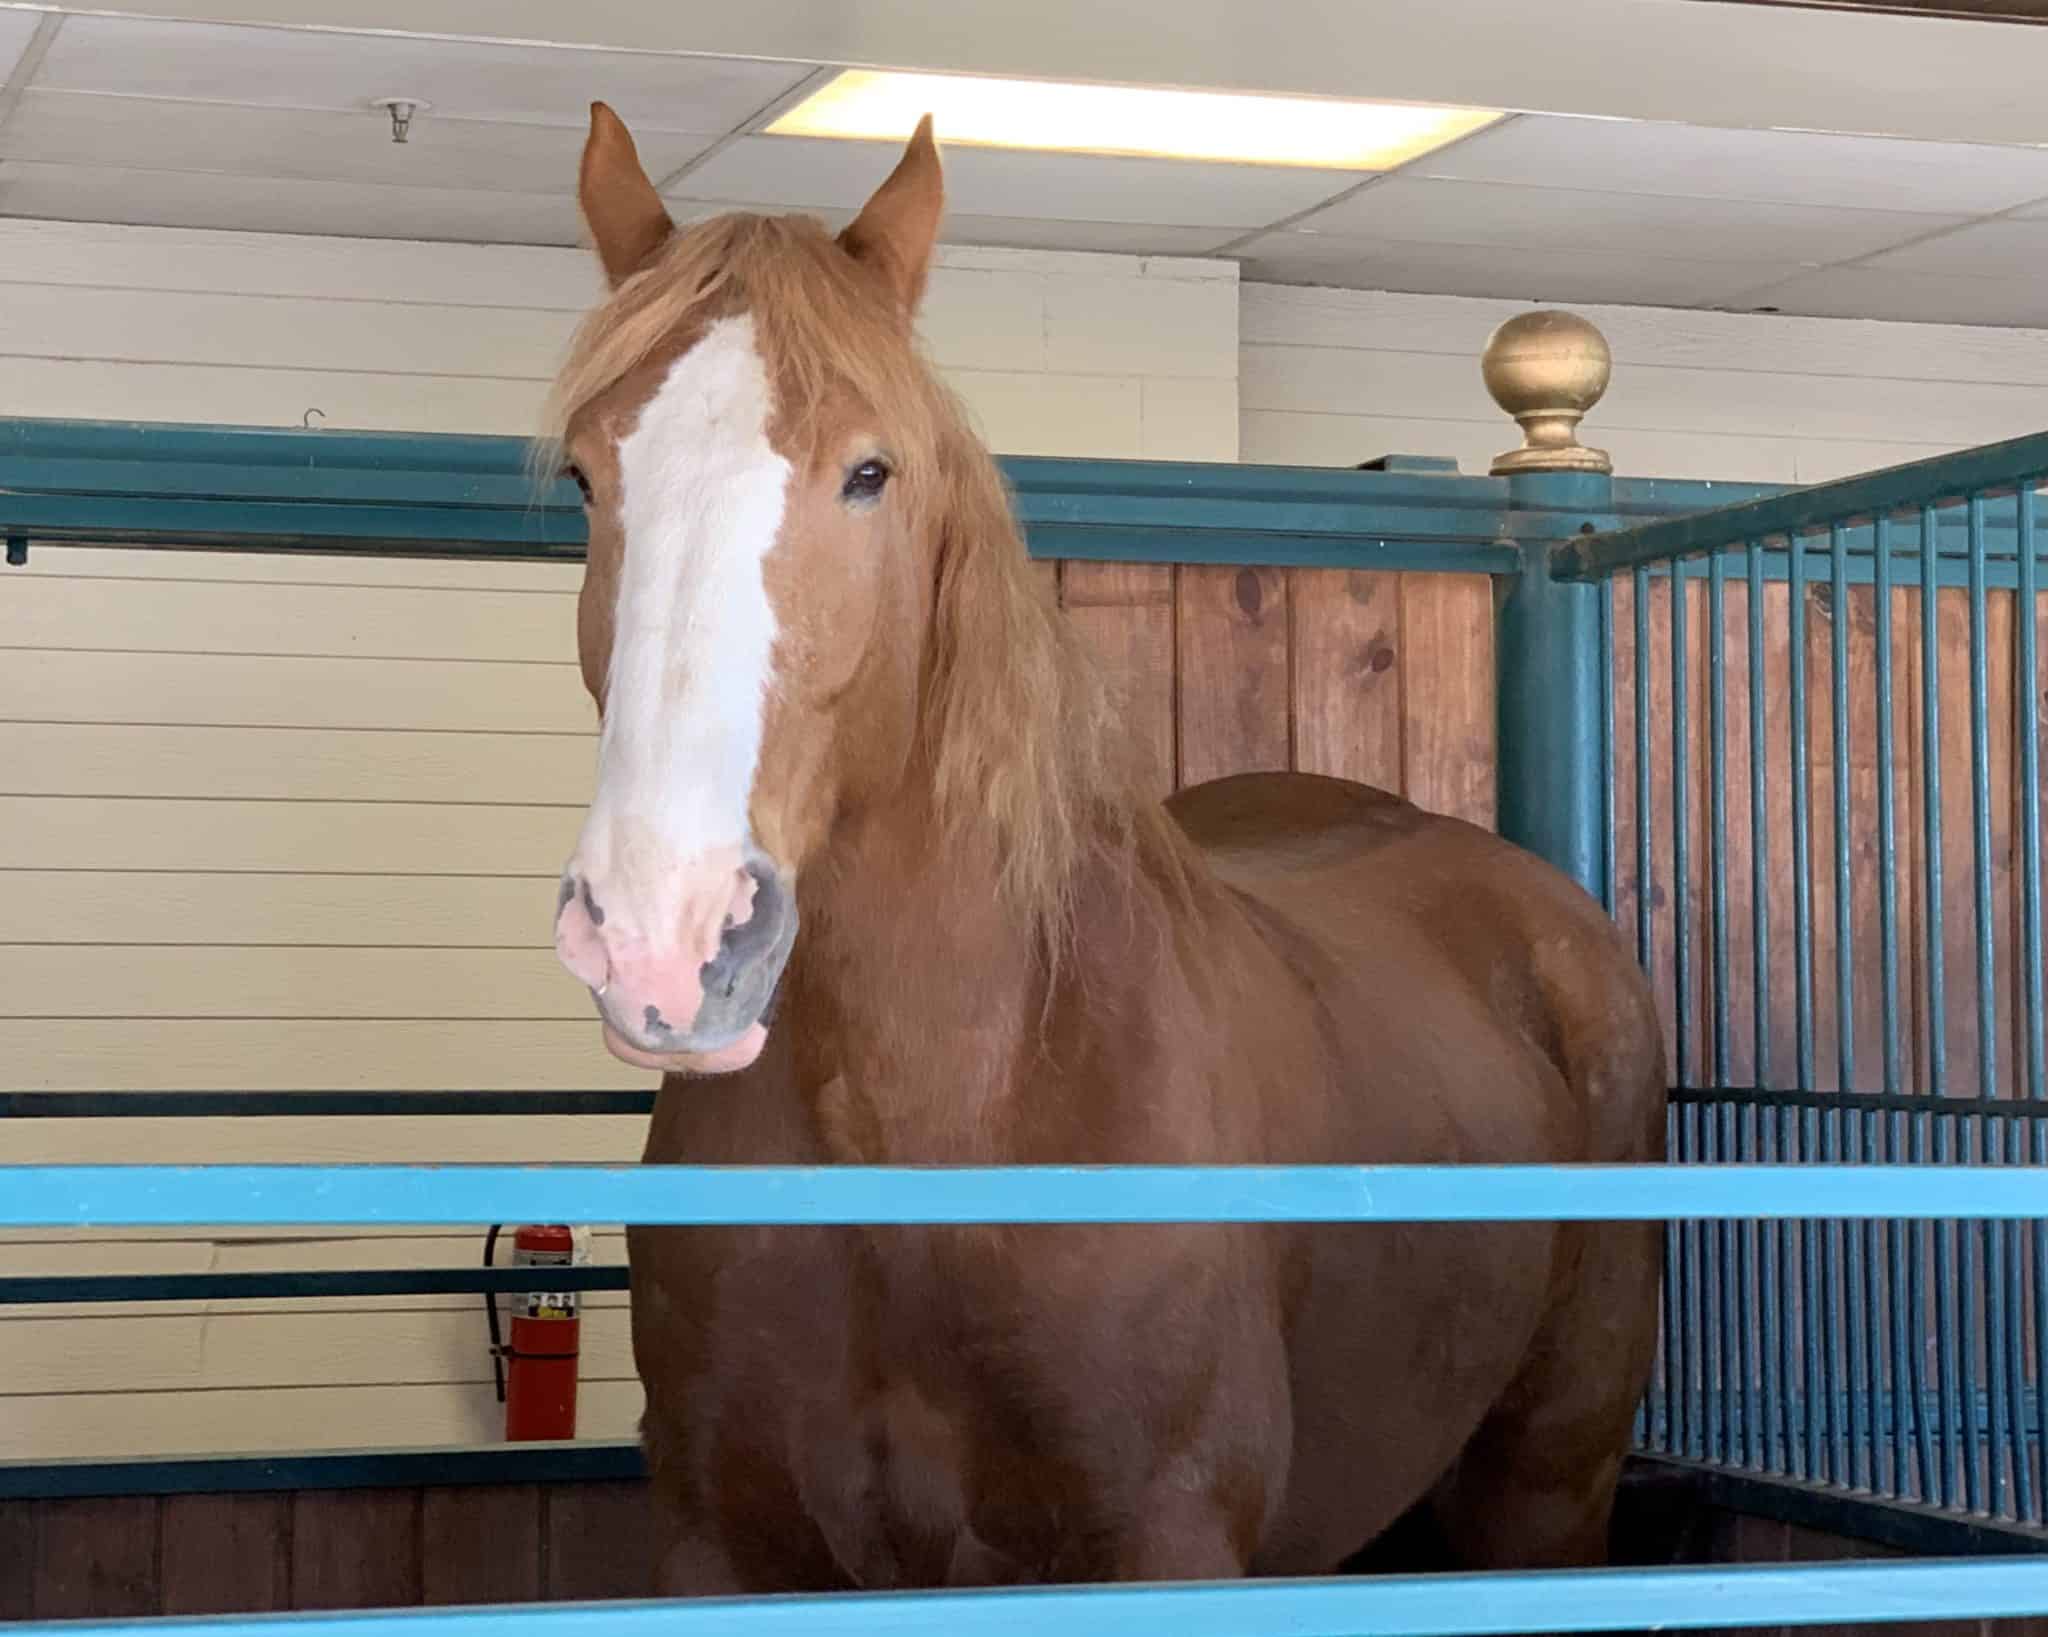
1232 654
226 1554
481 1545
356 1548
95 1557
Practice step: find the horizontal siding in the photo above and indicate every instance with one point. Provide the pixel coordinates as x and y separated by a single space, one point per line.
1334 376
295 822
214 836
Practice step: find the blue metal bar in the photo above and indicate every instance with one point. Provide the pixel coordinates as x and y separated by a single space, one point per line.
1943 1486
1726 1303
1390 1606
1995 1494
583 1461
1990 467
1547 638
1610 842
18 1289
213 1105
1843 1266
2027 692
79 1196
1900 1308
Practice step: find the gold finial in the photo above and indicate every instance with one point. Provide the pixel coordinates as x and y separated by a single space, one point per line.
1546 369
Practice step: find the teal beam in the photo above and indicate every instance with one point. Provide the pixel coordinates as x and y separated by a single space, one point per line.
1454 1605
101 1196
1551 738
1993 468
259 489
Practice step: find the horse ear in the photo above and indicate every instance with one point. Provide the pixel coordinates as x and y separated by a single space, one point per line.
626 216
897 228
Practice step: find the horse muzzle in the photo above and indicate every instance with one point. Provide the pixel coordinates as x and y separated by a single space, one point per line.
699 996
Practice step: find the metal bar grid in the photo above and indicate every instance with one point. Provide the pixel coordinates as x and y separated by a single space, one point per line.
1879 1355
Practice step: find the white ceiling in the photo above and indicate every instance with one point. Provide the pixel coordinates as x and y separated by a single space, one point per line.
178 123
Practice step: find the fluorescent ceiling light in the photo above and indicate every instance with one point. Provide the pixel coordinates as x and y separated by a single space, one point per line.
1313 132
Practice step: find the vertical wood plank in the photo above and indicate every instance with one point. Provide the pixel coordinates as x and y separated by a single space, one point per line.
1232 653
1447 701
1124 612
96 1558
1820 737
601 1540
17 1559
226 1554
1347 679
1736 851
480 1544
1779 891
355 1548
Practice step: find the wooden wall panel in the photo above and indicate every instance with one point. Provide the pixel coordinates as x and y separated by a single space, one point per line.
95 1558
1447 694
1125 611
1347 681
226 1554
1232 651
356 1548
601 1541
481 1544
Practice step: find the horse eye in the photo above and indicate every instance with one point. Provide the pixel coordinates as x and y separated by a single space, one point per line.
866 481
575 475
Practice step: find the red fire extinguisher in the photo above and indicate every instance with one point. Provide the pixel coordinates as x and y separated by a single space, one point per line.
536 1369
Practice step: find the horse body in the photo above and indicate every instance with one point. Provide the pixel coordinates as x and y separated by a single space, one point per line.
874 875
1358 982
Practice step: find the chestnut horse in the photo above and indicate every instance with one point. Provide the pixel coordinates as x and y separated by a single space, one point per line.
871 875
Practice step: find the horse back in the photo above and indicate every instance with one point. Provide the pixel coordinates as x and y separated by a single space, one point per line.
1393 912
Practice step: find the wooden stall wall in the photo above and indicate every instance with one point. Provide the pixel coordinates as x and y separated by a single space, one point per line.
1846 1046
1386 678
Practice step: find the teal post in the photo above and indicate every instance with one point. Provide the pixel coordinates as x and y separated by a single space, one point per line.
1552 733
1546 369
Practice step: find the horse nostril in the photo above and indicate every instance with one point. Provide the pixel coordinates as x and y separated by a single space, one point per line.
590 906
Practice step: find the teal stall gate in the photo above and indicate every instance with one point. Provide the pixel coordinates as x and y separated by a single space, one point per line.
1856 1306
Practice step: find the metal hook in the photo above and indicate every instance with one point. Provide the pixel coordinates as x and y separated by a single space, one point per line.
306 420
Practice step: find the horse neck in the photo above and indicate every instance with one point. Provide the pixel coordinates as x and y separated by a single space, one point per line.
926 991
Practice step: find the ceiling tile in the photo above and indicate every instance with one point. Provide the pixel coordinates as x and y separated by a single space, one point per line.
1479 270
1786 167
2009 249
210 62
1113 238
1421 210
75 193
1908 297
809 172
78 128
17 28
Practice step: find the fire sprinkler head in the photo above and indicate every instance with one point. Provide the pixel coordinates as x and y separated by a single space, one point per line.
401 110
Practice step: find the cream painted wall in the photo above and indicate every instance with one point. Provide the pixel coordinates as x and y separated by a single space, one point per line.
1333 377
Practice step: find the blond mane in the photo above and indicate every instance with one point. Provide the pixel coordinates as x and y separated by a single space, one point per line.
1018 729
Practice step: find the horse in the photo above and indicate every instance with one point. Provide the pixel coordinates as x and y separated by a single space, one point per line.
871 874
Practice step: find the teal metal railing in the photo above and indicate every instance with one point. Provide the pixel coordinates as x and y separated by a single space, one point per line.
1891 936
1869 1353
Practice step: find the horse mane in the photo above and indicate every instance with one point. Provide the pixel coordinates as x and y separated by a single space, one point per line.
1018 729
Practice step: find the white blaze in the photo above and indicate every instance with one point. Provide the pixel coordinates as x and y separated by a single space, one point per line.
701 504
